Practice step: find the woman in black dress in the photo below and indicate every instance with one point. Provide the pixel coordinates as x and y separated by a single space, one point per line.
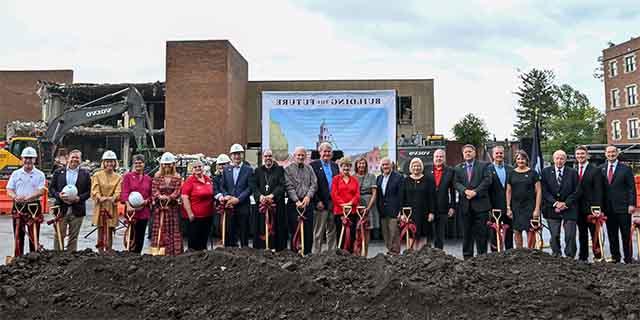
524 194
416 192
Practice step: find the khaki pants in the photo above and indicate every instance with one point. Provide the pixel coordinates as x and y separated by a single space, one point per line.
323 226
73 224
391 234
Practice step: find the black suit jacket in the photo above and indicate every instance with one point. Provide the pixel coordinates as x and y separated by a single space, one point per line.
389 204
591 186
480 183
241 189
621 192
498 193
568 192
83 183
323 195
444 197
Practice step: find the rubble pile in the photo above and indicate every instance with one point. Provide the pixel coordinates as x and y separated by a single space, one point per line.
249 284
19 128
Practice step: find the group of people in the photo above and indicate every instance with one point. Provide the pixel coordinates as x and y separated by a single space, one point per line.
321 205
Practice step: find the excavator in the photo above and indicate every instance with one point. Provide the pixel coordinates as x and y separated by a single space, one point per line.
48 142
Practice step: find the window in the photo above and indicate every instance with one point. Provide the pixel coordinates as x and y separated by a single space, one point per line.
632 97
405 110
615 98
632 128
613 68
630 63
616 132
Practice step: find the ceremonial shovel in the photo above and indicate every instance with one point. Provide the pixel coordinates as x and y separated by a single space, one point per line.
56 226
9 259
301 214
405 218
496 214
346 211
536 224
158 250
362 214
33 211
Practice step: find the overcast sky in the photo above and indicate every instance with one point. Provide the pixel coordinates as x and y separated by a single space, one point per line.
472 49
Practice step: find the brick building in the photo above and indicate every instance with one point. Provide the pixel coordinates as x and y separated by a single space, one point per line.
621 82
207 102
18 98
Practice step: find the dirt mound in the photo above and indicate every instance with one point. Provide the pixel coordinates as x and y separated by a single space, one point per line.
248 284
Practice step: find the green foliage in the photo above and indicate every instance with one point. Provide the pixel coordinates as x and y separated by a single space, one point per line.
536 98
576 122
471 130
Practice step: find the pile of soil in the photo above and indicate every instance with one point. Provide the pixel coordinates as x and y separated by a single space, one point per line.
250 284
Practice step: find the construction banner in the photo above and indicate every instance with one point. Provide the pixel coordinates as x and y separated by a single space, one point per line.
358 123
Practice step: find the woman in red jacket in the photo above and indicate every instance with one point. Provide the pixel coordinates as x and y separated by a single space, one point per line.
345 191
197 199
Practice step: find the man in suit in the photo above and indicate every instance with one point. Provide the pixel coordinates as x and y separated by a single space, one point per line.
388 203
472 181
236 190
591 183
323 225
620 203
560 194
444 199
500 173
72 208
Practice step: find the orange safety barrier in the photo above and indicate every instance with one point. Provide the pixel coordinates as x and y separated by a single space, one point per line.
6 203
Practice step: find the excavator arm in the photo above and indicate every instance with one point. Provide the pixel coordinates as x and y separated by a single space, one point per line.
133 104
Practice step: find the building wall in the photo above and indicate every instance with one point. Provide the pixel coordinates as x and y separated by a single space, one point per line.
623 112
18 98
421 92
205 96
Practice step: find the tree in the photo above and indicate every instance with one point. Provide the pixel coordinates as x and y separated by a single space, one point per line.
577 121
471 130
536 99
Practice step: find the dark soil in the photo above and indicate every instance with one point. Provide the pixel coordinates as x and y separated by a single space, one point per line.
248 284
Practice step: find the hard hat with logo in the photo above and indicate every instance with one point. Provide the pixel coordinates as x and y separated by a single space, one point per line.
29 152
135 199
70 190
223 159
236 148
109 155
167 158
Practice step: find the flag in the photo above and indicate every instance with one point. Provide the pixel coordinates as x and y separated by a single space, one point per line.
537 163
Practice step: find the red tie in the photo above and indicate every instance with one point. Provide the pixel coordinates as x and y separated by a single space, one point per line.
610 174
580 173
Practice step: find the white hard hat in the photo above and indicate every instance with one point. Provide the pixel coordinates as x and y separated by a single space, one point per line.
167 157
236 148
222 159
135 199
109 155
70 190
29 152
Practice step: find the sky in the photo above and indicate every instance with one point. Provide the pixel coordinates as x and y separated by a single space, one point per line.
474 49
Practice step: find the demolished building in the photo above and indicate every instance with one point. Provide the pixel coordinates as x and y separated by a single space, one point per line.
111 133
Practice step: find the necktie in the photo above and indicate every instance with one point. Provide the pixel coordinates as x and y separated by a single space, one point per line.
559 177
469 172
610 174
580 173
